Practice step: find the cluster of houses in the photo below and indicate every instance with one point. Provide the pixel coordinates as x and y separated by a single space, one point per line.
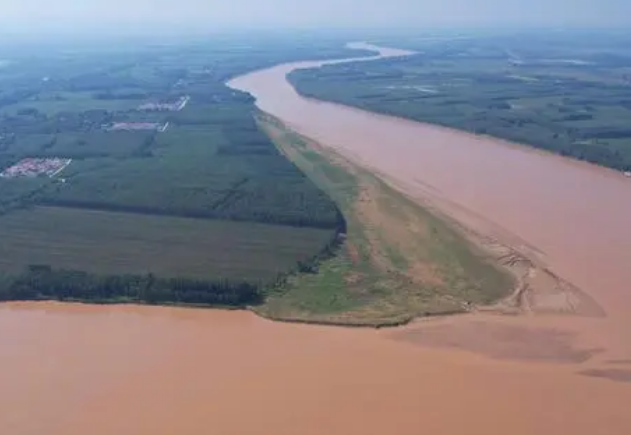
165 106
139 126
35 167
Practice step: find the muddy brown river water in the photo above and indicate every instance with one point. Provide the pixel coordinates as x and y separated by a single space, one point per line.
122 370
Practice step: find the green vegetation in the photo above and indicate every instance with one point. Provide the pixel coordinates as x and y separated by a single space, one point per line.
207 210
127 243
16 194
398 260
203 171
70 102
44 283
565 92
100 246
200 208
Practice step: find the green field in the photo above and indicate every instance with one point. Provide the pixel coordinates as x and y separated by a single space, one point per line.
200 171
15 193
569 93
206 212
54 103
80 145
108 243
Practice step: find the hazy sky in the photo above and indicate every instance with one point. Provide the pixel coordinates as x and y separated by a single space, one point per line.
125 15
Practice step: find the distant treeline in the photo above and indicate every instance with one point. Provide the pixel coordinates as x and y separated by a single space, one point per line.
247 212
41 282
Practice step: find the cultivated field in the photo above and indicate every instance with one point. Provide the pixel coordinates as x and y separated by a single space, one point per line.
208 200
123 243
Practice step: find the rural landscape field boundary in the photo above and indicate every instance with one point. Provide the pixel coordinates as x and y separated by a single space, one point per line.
149 182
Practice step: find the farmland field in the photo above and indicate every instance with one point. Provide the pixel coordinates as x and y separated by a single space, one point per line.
204 210
54 103
125 243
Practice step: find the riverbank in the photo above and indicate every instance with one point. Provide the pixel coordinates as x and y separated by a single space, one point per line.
398 262
571 111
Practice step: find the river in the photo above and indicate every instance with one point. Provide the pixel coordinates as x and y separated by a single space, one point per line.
570 216
125 370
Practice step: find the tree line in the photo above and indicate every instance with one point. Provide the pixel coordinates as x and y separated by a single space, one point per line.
43 282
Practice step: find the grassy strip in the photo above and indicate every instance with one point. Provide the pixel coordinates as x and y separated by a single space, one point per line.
398 262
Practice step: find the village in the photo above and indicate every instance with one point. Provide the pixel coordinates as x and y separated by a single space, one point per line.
31 167
36 167
165 106
138 126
